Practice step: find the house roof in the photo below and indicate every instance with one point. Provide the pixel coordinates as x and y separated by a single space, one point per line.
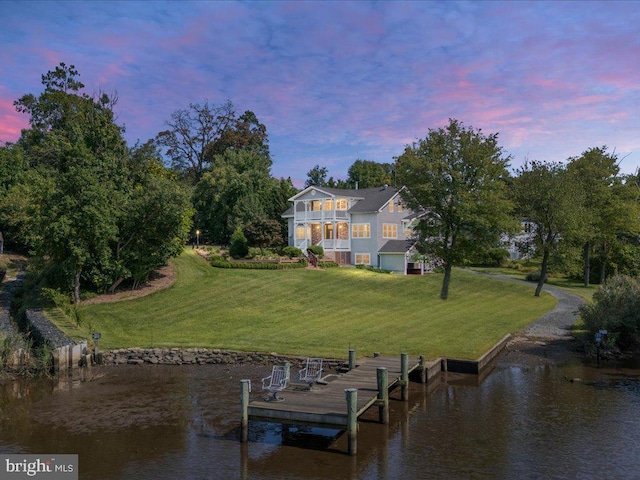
396 246
369 199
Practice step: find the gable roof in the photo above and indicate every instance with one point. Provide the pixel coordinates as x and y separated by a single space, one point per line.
370 200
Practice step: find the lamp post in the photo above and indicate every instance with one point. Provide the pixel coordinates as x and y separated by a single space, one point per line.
198 238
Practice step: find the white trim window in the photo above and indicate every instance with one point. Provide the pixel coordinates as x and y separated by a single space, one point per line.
363 259
389 230
302 232
361 230
342 204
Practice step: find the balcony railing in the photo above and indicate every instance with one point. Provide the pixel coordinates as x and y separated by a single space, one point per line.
327 244
321 215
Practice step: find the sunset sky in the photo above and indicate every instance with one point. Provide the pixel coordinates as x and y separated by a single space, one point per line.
339 81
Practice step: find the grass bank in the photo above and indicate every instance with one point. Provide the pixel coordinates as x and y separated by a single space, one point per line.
311 312
572 286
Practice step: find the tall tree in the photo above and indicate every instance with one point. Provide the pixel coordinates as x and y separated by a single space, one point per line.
317 177
595 171
459 176
232 194
611 209
368 174
191 133
243 133
83 187
548 197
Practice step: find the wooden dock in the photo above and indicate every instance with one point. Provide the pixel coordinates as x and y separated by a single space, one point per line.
339 402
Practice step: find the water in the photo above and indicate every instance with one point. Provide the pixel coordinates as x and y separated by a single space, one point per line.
525 420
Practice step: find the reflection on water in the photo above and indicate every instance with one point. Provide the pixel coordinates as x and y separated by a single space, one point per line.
164 422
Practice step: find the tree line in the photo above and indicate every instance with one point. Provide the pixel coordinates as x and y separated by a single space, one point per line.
580 214
98 214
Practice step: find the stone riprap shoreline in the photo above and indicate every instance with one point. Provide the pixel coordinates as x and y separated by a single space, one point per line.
46 331
200 356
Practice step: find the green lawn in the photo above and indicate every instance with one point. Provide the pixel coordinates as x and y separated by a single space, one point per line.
311 312
573 286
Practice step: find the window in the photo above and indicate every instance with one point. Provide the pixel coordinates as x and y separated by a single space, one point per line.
315 205
363 259
341 204
328 231
390 230
301 232
343 231
399 209
328 205
360 230
407 227
391 206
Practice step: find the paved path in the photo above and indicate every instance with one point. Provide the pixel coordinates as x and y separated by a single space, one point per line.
555 324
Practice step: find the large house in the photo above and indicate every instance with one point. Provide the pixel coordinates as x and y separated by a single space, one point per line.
369 226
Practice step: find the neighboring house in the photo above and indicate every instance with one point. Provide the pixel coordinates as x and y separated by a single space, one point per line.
369 226
520 245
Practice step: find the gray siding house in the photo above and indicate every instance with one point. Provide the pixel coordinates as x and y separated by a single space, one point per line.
369 226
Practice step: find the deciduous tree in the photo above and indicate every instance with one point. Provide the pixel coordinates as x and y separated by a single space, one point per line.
458 175
191 133
549 198
368 174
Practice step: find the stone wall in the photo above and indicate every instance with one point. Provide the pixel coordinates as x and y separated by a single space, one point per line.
67 353
45 331
201 356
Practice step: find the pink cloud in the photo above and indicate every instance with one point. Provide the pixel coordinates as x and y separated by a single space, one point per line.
11 122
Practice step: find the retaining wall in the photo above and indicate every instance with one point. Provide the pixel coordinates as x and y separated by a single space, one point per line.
475 367
67 354
201 356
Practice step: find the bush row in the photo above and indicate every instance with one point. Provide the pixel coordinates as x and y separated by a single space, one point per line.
373 269
219 262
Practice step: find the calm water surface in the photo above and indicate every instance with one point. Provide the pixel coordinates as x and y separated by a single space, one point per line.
164 422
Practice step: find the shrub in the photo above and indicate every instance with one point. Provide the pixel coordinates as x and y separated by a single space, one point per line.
328 264
291 252
239 247
534 276
218 262
317 249
616 308
372 269
493 257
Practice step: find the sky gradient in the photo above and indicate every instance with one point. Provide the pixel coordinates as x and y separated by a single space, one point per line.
339 81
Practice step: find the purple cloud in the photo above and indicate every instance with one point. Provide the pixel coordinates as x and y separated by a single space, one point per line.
338 81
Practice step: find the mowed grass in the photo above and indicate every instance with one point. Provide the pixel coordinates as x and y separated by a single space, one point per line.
572 286
317 312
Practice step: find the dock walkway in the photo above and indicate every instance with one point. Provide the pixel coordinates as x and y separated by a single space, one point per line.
325 405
